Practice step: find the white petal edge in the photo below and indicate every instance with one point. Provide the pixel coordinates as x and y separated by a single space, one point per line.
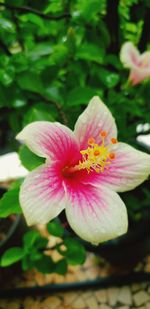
95 118
128 170
127 50
49 140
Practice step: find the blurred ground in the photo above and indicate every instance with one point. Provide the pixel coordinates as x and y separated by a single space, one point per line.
132 296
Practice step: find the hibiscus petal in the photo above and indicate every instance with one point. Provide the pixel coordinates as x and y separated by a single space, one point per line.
138 74
128 170
50 140
94 119
96 214
145 59
129 55
42 195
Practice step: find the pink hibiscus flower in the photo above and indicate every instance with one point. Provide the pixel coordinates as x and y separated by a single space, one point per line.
139 64
82 172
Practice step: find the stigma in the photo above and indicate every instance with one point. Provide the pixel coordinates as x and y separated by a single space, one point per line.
97 157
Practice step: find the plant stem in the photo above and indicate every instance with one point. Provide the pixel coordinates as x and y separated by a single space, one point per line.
27 9
58 107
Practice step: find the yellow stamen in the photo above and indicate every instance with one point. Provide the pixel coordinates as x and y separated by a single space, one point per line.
97 157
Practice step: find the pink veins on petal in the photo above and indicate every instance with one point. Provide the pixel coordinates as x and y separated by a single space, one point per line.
83 171
139 64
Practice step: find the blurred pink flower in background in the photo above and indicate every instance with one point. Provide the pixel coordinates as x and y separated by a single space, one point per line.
139 64
83 171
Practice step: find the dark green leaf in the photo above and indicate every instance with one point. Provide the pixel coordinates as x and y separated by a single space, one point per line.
29 238
29 159
49 74
38 112
27 263
30 81
89 9
109 79
41 243
80 95
73 251
55 228
35 255
91 52
45 265
61 267
9 203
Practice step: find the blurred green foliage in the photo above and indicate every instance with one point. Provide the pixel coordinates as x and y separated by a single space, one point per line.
54 56
34 252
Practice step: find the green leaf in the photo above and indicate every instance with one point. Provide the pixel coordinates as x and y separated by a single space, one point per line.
6 76
74 251
14 2
53 93
33 241
38 112
33 18
80 95
61 267
7 25
35 255
12 96
89 9
27 263
55 228
12 256
29 238
90 52
60 54
41 242
30 81
108 78
53 7
9 203
39 50
49 74
45 265
29 159
3 98
114 61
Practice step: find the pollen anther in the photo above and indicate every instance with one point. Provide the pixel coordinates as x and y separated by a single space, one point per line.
114 140
96 157
96 153
103 133
91 141
112 155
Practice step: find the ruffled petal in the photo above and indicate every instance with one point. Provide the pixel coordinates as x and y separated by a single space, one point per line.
96 214
129 55
128 170
42 195
50 140
138 74
92 121
145 59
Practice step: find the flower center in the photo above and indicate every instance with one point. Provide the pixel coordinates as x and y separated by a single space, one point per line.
96 157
